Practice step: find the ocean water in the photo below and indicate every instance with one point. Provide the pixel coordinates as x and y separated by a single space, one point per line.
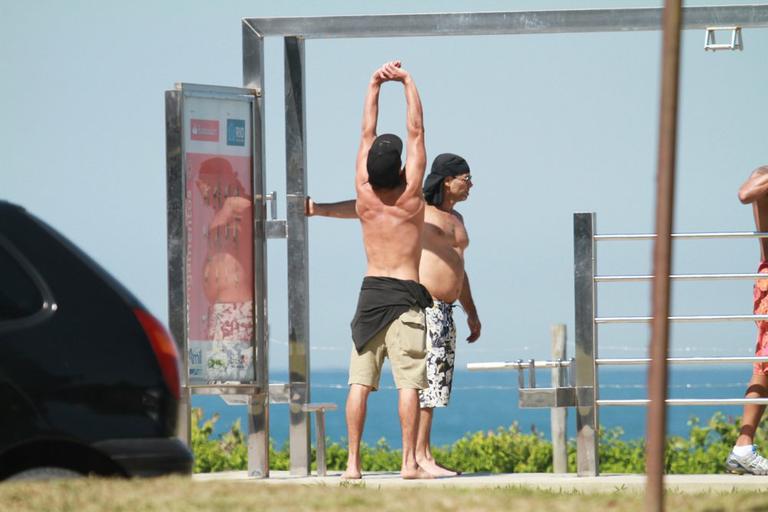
483 401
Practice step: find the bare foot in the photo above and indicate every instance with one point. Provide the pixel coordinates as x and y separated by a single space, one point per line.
416 473
456 471
351 475
435 469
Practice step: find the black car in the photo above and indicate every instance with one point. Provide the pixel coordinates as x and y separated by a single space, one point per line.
89 380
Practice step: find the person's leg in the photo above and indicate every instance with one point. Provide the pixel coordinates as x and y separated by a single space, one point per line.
406 348
744 457
408 408
441 350
357 402
423 442
364 375
758 388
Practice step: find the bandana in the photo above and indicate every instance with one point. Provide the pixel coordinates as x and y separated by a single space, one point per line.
445 165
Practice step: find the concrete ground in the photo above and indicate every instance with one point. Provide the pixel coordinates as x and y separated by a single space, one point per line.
544 481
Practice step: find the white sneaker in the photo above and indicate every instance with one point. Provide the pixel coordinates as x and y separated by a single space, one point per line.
752 463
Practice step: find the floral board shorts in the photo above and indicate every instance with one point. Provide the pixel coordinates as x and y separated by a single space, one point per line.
760 307
441 343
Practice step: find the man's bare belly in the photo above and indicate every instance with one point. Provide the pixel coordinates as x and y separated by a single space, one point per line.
442 274
226 279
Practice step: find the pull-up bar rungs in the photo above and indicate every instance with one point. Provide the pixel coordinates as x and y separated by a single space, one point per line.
679 277
684 401
681 319
652 236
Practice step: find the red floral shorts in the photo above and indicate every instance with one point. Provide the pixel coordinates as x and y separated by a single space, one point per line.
760 307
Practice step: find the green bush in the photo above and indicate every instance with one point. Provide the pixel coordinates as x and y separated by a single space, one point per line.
506 450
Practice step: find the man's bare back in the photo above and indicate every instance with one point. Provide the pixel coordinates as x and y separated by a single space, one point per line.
392 230
392 218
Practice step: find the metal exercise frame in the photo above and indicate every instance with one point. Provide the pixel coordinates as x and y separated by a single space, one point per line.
587 322
296 30
582 389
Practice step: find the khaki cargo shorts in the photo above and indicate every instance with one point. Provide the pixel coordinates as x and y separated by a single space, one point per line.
404 341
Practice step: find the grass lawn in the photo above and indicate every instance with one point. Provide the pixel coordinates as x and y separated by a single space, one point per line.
182 495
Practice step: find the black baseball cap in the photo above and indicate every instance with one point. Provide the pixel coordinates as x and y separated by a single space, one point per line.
384 161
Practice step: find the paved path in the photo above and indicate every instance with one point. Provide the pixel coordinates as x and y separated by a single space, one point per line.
547 481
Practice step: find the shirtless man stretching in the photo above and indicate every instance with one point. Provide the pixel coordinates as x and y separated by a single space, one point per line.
441 270
389 321
744 457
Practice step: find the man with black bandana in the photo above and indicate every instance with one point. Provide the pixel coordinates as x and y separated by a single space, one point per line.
441 271
389 321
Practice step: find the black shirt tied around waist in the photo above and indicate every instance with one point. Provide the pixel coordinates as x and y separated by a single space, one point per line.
382 300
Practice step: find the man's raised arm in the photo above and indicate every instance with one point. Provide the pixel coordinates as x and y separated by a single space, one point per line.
755 187
416 154
370 119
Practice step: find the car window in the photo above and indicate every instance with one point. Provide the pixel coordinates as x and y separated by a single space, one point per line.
19 297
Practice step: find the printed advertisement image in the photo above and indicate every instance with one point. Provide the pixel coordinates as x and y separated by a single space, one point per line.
219 229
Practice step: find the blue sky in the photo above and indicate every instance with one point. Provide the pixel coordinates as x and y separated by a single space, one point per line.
550 124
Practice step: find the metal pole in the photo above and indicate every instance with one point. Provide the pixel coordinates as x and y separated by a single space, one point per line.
587 461
258 401
662 258
558 415
177 319
517 365
298 255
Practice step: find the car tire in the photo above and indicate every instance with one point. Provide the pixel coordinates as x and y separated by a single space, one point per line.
45 473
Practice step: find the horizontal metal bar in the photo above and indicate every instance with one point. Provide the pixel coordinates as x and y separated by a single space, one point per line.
492 23
678 277
218 92
651 236
681 319
684 401
604 361
323 406
516 365
547 397
223 389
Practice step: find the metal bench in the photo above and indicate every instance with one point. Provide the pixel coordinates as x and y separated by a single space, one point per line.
319 410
